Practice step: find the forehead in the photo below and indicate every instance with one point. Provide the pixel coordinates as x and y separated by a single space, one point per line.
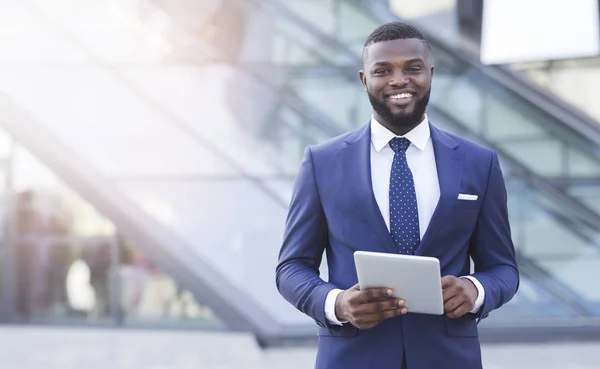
395 51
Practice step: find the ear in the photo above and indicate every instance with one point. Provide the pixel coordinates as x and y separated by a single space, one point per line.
363 79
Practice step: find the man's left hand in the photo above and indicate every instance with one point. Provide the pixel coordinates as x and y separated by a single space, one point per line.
459 296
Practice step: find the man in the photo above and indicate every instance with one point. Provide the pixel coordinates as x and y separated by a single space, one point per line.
398 185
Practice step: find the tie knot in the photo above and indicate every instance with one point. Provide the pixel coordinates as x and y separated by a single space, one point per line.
399 144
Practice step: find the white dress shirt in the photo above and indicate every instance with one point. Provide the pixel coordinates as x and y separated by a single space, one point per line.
421 161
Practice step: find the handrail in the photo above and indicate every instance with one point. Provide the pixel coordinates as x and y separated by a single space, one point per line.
550 285
588 216
578 121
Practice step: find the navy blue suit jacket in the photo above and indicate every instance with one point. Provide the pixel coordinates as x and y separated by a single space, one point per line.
333 210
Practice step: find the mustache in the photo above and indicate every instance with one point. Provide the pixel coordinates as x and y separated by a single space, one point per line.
410 119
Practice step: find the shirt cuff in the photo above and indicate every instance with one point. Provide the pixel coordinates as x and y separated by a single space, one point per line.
330 307
480 293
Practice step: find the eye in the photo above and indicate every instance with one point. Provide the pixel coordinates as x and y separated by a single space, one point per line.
414 69
380 72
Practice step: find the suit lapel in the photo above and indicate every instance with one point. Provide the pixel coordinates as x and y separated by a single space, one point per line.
449 164
356 159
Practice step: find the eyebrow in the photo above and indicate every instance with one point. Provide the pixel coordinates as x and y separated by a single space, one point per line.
409 61
415 60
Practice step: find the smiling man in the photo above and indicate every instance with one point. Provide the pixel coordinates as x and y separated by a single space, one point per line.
398 185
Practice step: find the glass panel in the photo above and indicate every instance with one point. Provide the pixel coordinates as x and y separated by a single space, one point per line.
587 194
354 27
233 225
325 92
110 30
25 39
492 110
150 296
532 302
446 92
283 188
543 157
320 13
6 145
71 266
575 272
301 47
582 166
58 275
237 223
506 116
542 228
147 142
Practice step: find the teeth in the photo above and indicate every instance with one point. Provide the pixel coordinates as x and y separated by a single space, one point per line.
404 95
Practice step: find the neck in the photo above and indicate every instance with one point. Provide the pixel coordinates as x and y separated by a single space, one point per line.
399 128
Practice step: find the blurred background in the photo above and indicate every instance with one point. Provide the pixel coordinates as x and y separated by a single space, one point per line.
148 150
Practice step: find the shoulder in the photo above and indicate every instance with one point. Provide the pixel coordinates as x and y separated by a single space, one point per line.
473 149
333 145
467 147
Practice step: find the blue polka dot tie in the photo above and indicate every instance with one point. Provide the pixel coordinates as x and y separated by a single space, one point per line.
404 215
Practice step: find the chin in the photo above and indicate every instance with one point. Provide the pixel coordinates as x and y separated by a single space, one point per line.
402 112
403 117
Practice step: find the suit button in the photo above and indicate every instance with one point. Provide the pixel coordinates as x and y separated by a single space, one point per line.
485 315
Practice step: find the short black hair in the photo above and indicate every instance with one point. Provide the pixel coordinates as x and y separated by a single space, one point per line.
394 31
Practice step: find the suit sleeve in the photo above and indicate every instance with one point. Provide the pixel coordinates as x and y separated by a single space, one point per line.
305 239
491 246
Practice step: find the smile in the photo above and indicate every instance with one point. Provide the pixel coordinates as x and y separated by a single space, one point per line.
404 95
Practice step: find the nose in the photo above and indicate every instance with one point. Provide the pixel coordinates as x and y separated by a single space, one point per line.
399 79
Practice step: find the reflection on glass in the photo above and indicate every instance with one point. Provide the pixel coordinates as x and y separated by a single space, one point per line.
58 275
70 264
148 294
532 302
233 224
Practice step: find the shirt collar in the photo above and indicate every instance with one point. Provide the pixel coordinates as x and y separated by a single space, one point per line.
418 136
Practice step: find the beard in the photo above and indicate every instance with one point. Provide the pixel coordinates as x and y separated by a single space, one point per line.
409 120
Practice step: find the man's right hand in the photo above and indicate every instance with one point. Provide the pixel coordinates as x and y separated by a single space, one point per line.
365 309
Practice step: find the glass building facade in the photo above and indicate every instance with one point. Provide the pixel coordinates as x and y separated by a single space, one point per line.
149 148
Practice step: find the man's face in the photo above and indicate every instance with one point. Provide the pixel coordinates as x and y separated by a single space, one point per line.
397 76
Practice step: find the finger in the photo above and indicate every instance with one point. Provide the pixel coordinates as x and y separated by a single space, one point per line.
383 305
402 310
367 321
453 304
355 294
456 289
450 293
458 311
373 319
448 281
373 294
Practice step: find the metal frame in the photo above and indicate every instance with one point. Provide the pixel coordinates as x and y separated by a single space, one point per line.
576 120
586 214
177 259
7 269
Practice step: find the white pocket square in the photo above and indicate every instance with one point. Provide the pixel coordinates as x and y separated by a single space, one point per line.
464 196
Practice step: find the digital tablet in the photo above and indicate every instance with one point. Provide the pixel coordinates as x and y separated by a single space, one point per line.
415 279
